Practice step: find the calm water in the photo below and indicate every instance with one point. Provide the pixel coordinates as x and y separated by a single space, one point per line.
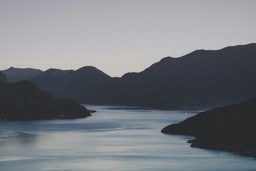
112 139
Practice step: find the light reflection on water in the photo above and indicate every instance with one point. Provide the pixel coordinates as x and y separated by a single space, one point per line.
123 139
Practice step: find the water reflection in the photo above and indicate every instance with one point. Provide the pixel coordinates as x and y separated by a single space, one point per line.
17 139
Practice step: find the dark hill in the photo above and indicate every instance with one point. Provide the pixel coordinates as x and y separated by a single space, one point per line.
24 101
54 81
231 128
201 78
20 74
85 85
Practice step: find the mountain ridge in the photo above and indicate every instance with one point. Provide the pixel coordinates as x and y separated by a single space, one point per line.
202 78
19 74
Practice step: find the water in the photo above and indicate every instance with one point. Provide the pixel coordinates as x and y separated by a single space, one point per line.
112 139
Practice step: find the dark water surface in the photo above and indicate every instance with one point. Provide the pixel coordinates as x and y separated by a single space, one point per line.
113 139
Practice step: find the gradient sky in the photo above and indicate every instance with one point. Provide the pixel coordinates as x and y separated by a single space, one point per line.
118 36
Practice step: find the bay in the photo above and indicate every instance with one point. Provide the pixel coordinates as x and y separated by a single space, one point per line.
114 138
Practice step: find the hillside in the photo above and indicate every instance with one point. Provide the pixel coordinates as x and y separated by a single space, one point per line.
201 78
24 101
85 85
230 128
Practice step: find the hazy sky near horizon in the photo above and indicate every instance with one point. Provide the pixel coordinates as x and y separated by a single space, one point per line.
118 36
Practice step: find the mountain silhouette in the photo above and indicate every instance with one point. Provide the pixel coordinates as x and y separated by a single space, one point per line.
203 78
230 128
85 85
20 74
24 101
200 78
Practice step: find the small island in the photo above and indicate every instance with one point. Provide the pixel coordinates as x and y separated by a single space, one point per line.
24 101
229 128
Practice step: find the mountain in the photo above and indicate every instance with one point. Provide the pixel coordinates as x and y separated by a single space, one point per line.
20 74
203 78
230 128
85 85
24 101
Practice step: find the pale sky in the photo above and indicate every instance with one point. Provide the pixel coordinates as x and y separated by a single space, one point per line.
118 36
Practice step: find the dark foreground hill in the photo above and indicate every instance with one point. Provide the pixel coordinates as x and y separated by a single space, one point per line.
230 128
24 101
19 74
203 78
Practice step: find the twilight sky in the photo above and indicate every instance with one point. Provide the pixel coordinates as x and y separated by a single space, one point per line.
118 36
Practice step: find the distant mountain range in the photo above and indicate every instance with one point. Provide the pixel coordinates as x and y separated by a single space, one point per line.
203 78
24 101
20 74
230 128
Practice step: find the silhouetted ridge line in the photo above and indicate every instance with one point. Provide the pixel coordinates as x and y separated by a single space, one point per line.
203 78
20 74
